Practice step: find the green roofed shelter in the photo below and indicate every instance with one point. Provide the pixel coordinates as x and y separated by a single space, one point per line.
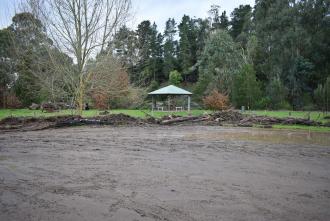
170 90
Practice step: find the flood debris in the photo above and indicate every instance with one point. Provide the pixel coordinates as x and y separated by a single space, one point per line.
34 123
275 120
238 119
229 117
34 106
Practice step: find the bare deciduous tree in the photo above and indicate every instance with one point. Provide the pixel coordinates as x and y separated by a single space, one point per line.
80 28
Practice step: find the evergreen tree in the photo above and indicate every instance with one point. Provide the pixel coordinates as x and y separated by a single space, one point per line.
124 47
276 93
224 21
322 96
202 30
297 81
220 62
144 72
150 54
170 48
29 44
313 16
157 57
246 89
240 18
6 65
188 49
284 46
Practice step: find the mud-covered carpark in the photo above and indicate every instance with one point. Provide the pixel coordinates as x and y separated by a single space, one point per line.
157 172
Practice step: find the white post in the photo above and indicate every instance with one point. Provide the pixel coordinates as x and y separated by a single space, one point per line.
152 105
188 103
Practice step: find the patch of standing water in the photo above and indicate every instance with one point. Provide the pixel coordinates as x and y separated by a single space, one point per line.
265 135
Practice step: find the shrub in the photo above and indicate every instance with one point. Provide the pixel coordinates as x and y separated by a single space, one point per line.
133 99
263 103
108 83
216 101
100 100
175 77
284 105
12 101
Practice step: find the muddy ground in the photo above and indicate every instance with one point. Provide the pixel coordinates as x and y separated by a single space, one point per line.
164 173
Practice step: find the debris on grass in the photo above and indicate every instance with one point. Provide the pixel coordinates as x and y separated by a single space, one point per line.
230 117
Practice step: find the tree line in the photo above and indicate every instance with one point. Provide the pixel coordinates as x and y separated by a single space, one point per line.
275 55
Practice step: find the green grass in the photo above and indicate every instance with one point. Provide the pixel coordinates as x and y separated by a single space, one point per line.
314 115
301 127
90 113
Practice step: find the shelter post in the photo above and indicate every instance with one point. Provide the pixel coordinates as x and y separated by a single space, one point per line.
189 103
152 103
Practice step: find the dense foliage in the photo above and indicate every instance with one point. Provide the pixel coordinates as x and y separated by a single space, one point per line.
274 55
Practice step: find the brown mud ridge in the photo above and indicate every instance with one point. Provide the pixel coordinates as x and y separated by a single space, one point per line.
217 119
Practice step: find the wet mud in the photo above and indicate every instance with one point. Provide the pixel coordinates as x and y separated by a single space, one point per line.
164 173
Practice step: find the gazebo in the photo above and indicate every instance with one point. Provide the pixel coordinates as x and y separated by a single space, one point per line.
169 91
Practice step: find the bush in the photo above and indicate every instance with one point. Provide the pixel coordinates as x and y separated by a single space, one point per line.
175 77
284 105
133 99
263 103
216 101
12 101
267 103
100 100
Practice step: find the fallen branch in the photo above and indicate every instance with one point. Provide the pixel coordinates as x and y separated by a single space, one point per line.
179 119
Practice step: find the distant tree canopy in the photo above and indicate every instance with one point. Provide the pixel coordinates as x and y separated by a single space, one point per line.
273 55
284 44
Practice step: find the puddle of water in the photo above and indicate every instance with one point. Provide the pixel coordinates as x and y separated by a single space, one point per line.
3 158
266 135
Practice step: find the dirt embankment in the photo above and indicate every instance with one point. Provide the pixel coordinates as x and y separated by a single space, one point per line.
234 118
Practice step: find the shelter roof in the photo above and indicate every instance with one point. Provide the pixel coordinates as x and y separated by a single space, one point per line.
171 89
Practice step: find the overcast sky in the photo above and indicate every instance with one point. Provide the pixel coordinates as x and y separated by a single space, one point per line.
154 10
160 10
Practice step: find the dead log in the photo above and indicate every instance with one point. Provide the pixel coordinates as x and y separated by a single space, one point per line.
202 119
179 119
